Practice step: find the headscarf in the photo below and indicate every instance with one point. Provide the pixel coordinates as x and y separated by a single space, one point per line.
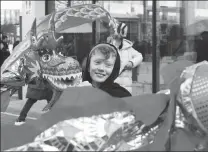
108 86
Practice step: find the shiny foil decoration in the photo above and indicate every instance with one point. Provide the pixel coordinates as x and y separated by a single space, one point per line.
194 93
116 131
199 95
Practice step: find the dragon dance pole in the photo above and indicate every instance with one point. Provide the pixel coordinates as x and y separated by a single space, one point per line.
155 53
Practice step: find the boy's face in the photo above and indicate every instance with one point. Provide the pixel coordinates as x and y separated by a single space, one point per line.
100 67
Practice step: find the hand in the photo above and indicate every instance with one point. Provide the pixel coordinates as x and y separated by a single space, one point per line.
129 65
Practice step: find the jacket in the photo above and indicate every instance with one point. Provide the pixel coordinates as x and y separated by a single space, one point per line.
128 53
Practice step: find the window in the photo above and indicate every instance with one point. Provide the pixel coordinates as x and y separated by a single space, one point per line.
202 4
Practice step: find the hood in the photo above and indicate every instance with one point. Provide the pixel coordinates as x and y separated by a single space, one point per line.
116 69
126 44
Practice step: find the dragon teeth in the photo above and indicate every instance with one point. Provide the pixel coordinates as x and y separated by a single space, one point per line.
50 78
70 77
54 79
64 77
58 78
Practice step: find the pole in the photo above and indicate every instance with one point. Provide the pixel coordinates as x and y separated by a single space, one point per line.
20 92
144 20
155 53
94 28
69 3
49 7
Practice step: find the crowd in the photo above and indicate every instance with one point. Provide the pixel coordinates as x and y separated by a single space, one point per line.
5 52
4 48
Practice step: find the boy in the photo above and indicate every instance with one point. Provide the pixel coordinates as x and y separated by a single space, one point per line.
102 68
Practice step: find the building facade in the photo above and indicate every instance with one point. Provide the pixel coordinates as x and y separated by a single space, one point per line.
10 23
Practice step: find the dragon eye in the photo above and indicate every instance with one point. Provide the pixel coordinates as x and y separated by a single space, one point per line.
46 57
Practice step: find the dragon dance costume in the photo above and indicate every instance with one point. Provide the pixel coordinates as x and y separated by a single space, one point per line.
101 122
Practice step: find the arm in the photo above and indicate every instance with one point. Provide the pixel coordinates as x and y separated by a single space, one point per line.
136 57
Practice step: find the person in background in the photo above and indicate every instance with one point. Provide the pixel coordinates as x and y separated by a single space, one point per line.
201 47
16 43
4 52
37 90
130 58
102 68
6 47
176 42
163 48
5 42
1 36
2 45
136 44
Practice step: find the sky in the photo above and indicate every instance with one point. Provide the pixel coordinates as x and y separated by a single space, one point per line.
11 4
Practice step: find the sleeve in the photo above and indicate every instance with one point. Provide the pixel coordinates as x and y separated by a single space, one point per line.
136 57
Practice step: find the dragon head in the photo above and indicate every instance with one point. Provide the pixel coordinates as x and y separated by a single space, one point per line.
43 58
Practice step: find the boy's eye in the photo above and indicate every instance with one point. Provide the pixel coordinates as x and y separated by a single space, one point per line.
109 65
97 62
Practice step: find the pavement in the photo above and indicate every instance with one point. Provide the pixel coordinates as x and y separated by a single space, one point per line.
15 107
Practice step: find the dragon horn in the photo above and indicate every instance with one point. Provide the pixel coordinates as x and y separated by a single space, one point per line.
32 34
52 28
33 28
52 22
36 44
